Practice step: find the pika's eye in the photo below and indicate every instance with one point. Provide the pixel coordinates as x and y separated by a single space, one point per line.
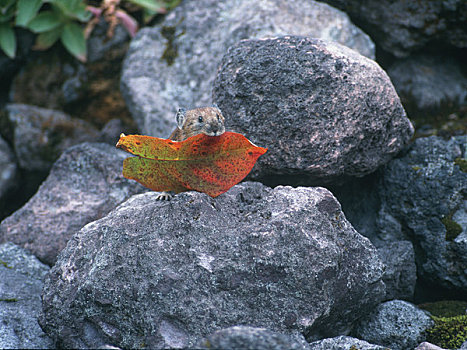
200 119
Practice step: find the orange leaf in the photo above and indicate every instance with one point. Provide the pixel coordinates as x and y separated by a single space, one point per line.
209 164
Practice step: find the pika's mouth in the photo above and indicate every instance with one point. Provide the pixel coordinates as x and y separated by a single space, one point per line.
215 132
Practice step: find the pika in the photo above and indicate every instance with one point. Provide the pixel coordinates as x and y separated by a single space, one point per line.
204 120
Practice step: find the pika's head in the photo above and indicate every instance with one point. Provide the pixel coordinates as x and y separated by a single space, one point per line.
205 120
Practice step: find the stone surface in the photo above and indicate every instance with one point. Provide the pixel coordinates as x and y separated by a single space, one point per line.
344 343
41 135
21 281
250 338
84 185
404 26
400 274
424 191
463 346
99 45
428 346
167 274
323 110
89 91
8 168
174 64
396 324
429 85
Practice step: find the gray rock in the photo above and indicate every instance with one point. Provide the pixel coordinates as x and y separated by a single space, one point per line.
167 274
173 65
99 45
323 110
344 343
21 281
111 131
83 185
396 324
425 192
404 26
463 346
429 85
40 135
250 338
428 346
8 168
400 274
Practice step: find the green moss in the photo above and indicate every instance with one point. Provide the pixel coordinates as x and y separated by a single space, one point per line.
353 347
5 264
416 168
9 300
453 229
445 308
462 163
448 332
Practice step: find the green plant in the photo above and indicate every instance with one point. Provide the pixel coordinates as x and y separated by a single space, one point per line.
61 20
448 332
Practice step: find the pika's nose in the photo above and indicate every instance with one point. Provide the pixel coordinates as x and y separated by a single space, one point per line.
215 128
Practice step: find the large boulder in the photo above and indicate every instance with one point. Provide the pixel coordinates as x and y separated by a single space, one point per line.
424 194
21 282
344 343
167 274
396 324
324 111
40 135
84 185
405 26
174 64
400 274
250 338
8 168
429 85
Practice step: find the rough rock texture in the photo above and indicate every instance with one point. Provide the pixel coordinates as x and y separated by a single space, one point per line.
40 135
99 45
166 274
425 192
250 338
396 324
21 281
463 346
400 274
87 91
173 65
323 110
84 185
404 26
428 346
344 343
429 84
7 168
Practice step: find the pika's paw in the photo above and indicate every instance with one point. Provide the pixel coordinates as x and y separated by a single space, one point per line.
164 196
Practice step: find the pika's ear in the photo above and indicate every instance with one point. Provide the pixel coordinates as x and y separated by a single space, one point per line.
216 106
181 117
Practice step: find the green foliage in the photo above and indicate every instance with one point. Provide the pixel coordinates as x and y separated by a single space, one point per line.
57 20
61 20
462 163
445 308
453 229
448 332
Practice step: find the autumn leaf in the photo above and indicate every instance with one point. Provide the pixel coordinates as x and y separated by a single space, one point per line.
209 164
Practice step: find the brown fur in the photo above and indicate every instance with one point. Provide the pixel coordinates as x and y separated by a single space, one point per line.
212 124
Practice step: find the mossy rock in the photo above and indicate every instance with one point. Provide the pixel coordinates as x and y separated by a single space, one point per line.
445 308
448 332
